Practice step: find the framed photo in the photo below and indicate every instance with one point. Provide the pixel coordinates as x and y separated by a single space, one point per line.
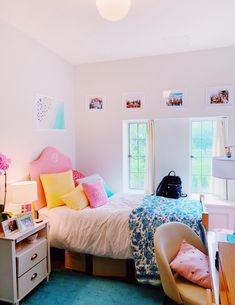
174 98
220 96
133 100
25 222
95 102
9 226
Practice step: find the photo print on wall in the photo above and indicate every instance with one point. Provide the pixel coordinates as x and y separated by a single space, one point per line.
133 100
49 113
95 102
174 98
220 96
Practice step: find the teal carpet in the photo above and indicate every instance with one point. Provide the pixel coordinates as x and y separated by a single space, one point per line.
73 288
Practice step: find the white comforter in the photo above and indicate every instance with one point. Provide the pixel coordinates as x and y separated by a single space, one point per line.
100 231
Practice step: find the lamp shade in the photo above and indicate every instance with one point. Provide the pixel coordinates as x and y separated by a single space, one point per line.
113 10
223 167
23 192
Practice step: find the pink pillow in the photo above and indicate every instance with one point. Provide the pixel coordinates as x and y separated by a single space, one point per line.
95 193
192 264
77 175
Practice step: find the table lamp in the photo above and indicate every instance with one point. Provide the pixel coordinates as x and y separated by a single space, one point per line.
224 168
24 193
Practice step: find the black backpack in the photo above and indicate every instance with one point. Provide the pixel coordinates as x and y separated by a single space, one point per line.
170 187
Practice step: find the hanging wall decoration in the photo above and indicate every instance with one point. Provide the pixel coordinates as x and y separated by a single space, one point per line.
174 98
133 100
95 102
50 113
220 96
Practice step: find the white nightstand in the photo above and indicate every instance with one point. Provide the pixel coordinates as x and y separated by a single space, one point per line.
23 264
221 212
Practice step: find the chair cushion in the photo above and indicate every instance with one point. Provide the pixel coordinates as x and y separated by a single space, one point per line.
192 264
190 293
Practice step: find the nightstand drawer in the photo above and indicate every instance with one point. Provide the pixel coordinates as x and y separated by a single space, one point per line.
32 278
30 255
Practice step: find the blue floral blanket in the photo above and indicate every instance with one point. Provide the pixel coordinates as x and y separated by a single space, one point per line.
143 222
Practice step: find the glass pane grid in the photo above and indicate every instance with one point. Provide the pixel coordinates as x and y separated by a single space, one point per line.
137 146
203 134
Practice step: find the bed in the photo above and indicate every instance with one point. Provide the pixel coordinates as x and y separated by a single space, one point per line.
110 231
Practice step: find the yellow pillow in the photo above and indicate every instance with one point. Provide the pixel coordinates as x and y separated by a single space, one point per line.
76 199
55 186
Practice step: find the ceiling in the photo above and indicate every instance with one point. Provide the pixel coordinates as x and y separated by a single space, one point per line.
74 30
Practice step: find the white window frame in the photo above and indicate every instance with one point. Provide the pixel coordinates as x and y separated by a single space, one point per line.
200 119
125 150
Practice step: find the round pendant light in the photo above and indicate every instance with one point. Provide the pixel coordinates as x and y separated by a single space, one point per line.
113 10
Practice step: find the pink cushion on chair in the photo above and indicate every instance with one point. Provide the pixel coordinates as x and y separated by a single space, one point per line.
192 264
95 193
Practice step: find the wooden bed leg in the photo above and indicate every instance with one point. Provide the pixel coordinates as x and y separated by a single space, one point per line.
130 271
89 264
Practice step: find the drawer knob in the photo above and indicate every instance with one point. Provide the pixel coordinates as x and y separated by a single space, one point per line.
34 256
34 276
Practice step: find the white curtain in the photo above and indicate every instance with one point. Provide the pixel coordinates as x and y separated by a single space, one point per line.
150 171
221 141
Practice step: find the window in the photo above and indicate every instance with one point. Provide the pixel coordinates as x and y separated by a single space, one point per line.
136 154
202 140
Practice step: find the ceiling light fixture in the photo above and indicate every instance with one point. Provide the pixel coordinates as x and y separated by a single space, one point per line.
113 10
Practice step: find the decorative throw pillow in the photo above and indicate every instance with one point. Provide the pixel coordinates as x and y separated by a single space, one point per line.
56 185
76 199
77 175
192 264
96 177
95 193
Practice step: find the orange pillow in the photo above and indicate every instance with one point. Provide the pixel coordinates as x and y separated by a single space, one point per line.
192 264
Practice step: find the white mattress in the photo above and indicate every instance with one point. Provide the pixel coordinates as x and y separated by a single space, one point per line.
102 231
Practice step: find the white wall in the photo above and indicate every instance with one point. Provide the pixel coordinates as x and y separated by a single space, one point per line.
26 70
173 149
99 134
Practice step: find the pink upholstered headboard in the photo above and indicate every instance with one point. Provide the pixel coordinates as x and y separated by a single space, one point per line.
49 161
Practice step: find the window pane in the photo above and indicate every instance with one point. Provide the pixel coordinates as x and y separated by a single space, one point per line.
196 152
142 165
134 149
133 130
137 155
141 180
133 165
142 148
205 181
206 166
195 184
134 180
142 131
196 166
203 135
196 135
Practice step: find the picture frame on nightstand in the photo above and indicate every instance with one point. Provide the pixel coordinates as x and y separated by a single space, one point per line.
9 226
25 221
